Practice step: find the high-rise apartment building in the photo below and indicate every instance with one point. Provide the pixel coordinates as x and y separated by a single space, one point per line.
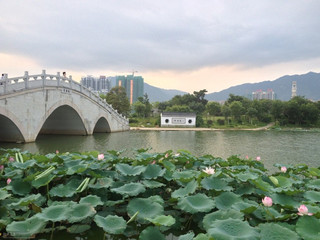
101 84
294 89
134 86
259 94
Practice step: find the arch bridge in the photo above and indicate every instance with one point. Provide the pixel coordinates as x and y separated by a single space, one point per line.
52 104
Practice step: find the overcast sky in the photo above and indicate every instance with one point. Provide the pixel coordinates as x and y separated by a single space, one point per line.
174 44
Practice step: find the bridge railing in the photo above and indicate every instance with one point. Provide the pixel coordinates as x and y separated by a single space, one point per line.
26 82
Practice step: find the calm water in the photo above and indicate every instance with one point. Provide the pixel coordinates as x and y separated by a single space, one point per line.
286 147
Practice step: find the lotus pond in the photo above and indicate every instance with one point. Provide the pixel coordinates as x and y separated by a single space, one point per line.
154 196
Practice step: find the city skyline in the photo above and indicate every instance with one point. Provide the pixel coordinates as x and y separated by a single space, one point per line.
184 45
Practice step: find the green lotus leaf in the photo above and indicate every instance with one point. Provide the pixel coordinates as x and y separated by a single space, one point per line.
93 200
77 169
308 227
153 171
102 183
313 196
113 203
196 203
27 200
189 189
4 194
43 181
314 184
188 236
146 207
65 190
202 236
157 199
20 187
55 213
24 165
111 224
152 184
284 182
78 228
130 189
214 183
245 207
234 229
80 212
247 175
151 233
221 215
169 166
128 170
264 186
185 176
226 200
284 200
27 228
271 231
162 220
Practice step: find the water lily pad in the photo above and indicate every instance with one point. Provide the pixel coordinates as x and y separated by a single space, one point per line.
234 229
214 183
308 227
196 203
313 196
111 224
162 220
271 231
188 236
93 200
26 228
55 213
221 215
128 170
80 212
151 233
189 189
152 184
146 207
226 199
153 171
130 189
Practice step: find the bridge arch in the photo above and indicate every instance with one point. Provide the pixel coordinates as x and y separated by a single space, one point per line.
63 118
102 126
11 129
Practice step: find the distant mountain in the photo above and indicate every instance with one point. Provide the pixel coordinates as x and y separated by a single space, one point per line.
159 94
308 85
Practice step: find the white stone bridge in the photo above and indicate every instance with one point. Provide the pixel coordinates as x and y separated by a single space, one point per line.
52 104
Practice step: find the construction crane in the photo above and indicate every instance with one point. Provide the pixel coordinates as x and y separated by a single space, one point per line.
134 71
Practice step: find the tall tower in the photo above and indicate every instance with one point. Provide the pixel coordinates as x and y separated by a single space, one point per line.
294 89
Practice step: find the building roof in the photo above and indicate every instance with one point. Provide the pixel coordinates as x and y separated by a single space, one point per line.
178 114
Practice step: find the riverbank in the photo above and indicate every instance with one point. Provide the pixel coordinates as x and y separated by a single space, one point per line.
201 129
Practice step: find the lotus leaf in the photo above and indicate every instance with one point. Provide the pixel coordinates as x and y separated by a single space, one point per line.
151 233
246 207
43 181
314 184
196 203
130 189
264 186
202 236
226 199
65 190
188 236
152 184
93 200
77 169
111 224
313 196
247 175
214 183
234 229
153 171
80 212
147 208
55 213
221 215
189 189
157 199
169 165
20 187
162 220
24 165
308 227
102 183
27 200
128 170
185 176
271 231
284 182
284 200
78 228
4 194
26 228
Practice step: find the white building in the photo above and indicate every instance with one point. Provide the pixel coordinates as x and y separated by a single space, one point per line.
178 119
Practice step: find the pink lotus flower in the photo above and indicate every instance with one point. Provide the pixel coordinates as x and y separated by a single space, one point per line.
1 167
57 151
101 156
283 169
8 180
267 201
153 162
11 159
167 155
247 157
209 170
258 158
303 210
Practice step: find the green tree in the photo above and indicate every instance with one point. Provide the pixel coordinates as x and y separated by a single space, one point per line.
236 109
139 108
117 97
226 112
213 108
